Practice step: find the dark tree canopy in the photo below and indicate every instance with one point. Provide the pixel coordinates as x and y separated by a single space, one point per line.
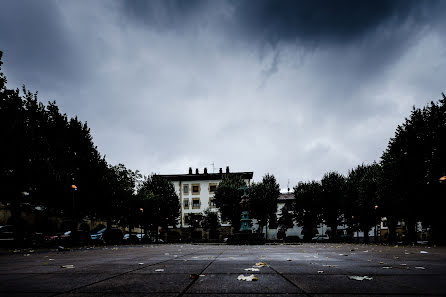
262 203
307 206
228 197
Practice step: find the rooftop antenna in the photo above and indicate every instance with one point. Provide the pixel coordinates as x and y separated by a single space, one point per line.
288 186
213 167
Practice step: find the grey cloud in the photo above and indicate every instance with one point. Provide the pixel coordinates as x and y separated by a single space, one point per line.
166 85
38 44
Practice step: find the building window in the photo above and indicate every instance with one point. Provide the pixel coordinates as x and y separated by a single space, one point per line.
211 202
186 189
196 189
186 203
212 188
196 203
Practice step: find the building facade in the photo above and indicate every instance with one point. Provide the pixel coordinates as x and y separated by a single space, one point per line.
196 191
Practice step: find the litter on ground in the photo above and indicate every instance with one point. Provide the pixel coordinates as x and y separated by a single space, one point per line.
423 252
140 263
360 278
159 270
420 267
249 278
252 269
320 271
387 267
260 264
67 266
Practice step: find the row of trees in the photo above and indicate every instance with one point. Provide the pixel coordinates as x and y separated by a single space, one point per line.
44 153
260 199
404 186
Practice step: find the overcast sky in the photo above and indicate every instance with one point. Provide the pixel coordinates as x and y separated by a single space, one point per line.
292 88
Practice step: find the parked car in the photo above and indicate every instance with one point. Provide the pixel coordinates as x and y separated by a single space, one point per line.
7 235
112 236
320 238
97 236
134 238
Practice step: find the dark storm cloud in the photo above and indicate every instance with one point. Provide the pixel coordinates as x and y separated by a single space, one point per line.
319 21
35 40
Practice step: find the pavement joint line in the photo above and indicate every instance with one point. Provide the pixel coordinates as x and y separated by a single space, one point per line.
120 274
288 280
194 280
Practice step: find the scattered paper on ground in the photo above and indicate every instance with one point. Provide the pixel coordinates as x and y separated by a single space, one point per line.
260 264
140 263
249 278
360 278
67 266
423 252
159 270
320 271
420 267
252 269
387 267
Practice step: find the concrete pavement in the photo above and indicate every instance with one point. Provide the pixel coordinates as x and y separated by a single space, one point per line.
212 270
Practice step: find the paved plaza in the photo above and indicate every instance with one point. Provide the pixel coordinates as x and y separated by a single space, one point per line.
213 270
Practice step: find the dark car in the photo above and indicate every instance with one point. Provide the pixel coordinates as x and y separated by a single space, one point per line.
112 236
7 235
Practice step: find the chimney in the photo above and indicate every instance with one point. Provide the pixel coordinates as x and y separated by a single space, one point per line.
227 169
221 171
205 170
196 171
190 170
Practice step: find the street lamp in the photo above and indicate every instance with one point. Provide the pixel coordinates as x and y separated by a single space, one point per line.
74 225
140 225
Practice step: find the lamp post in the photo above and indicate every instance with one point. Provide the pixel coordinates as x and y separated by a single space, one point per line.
74 225
140 225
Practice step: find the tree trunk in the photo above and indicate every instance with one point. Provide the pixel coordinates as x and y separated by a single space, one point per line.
366 235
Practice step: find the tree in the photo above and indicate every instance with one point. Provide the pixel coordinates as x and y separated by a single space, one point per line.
362 197
210 220
306 207
412 164
333 196
262 203
161 204
227 198
285 220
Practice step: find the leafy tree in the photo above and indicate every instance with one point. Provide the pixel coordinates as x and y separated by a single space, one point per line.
210 220
333 200
362 198
262 203
412 164
228 197
286 218
160 203
307 207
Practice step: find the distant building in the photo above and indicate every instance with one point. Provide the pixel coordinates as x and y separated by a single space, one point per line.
196 191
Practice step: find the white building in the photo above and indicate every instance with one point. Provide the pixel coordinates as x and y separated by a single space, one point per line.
196 190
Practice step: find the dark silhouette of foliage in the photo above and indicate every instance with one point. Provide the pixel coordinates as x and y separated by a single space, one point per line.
160 203
262 203
307 206
228 197
333 200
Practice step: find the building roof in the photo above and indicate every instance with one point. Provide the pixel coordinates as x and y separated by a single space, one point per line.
286 197
204 176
